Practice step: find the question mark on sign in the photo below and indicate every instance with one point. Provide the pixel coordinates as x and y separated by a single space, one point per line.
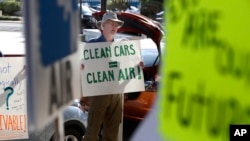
8 96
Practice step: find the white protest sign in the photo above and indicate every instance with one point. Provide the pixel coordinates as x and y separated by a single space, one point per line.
54 87
111 68
13 103
52 58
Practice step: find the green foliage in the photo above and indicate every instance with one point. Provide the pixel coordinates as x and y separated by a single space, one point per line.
117 5
8 18
144 1
150 8
9 7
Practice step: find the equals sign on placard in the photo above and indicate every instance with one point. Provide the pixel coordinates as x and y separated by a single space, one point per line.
113 64
240 132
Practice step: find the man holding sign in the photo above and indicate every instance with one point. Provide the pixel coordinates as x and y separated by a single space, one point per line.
106 109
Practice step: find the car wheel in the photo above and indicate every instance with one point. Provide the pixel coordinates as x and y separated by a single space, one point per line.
93 26
72 135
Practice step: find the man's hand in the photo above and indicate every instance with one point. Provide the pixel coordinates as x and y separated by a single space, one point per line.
84 108
82 66
84 104
141 64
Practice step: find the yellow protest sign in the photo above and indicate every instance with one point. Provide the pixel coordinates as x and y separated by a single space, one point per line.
205 71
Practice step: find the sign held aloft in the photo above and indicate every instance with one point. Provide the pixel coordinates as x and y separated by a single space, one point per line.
52 58
111 65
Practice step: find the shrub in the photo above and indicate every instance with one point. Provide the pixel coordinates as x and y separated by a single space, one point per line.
117 5
150 8
9 18
9 7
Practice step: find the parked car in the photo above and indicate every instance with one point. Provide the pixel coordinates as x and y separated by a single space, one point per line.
138 104
87 20
75 120
97 7
133 9
160 17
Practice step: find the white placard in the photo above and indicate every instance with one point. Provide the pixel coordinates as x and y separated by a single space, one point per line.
13 103
52 58
111 68
54 88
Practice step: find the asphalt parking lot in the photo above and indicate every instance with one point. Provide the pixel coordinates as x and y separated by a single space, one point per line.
128 129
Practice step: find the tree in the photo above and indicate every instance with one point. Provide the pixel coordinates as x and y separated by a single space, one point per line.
149 8
9 7
118 5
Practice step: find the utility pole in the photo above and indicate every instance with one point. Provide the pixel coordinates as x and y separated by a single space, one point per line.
103 5
80 16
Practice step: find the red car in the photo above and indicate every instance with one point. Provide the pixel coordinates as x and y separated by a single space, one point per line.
138 104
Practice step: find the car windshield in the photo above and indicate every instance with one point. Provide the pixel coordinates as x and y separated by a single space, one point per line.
86 9
149 52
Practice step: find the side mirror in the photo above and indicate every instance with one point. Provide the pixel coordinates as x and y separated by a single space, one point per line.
150 86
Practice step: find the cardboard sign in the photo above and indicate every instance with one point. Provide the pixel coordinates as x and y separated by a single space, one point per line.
205 75
13 103
111 68
52 58
54 88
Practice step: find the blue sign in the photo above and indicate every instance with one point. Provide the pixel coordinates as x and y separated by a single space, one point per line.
58 40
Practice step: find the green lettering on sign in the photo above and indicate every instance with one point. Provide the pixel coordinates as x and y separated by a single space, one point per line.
100 76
